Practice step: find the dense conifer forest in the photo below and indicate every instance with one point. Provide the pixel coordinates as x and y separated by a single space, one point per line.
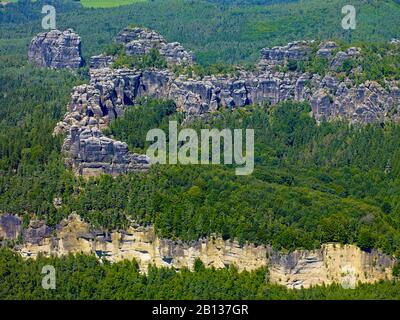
84 277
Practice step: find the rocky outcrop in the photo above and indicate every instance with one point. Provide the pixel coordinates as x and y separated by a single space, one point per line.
298 50
110 92
326 49
395 41
36 232
90 153
366 103
56 49
101 61
140 41
342 56
92 108
332 97
333 263
10 227
73 235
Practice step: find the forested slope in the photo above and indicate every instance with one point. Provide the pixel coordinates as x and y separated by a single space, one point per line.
312 184
84 277
215 31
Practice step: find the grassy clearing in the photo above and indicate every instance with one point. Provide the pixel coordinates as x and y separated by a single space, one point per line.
107 3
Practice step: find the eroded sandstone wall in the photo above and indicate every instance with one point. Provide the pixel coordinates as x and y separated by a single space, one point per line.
56 49
332 263
111 91
139 41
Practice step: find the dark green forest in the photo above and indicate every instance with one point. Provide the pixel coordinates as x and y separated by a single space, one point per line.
312 183
84 277
217 30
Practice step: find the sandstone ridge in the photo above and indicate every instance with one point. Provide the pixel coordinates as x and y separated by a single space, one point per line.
332 263
111 91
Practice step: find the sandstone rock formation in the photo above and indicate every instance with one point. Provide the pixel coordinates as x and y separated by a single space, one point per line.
395 41
326 49
140 41
342 56
10 227
111 91
101 61
56 50
90 153
297 50
36 232
333 263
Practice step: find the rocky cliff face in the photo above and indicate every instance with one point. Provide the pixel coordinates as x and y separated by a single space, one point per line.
298 50
92 108
111 91
140 41
10 227
56 50
333 263
90 153
101 61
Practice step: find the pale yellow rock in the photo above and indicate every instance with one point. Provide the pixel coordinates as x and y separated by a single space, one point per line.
333 263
